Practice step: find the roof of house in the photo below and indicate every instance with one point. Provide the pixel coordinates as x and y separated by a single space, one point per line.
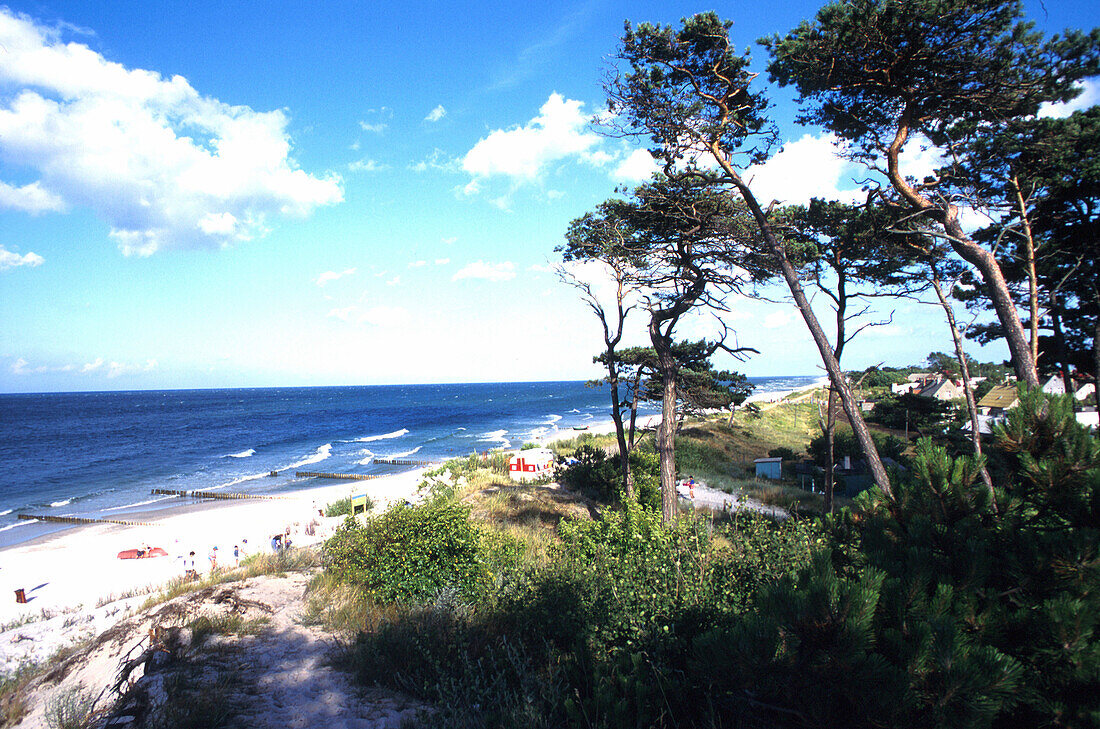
1003 396
944 390
768 460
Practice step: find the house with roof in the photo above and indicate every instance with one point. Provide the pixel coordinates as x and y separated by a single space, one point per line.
944 390
1055 385
998 400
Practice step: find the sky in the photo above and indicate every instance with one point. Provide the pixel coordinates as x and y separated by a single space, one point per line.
200 194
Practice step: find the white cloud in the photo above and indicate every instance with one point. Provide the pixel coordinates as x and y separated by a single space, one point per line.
117 369
380 316
377 125
396 280
417 264
162 164
540 268
554 194
328 276
487 271
1089 96
449 240
92 366
10 259
367 165
639 166
777 319
809 167
436 114
442 261
32 198
437 160
560 131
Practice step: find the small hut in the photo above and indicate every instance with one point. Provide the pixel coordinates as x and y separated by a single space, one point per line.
769 468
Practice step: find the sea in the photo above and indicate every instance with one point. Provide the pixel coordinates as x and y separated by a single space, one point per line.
100 454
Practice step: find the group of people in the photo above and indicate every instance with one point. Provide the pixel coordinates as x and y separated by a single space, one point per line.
190 570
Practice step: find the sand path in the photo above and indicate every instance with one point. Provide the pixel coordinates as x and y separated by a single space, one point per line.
286 676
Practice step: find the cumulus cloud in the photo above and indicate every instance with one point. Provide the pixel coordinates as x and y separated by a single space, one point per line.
436 114
503 271
367 165
523 153
638 166
417 264
809 167
437 160
328 276
442 261
777 319
10 259
165 166
32 198
1089 96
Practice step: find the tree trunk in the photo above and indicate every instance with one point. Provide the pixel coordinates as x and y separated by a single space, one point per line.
620 430
964 370
1032 278
832 367
666 439
830 449
971 252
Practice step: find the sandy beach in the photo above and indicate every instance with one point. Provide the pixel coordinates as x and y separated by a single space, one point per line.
76 577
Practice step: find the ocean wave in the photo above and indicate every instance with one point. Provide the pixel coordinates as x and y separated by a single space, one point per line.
551 419
496 436
63 502
138 503
243 454
384 436
588 416
5 512
319 455
18 523
242 479
574 410
404 454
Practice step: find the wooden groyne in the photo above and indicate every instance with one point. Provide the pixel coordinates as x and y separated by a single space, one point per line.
400 462
342 476
209 494
81 520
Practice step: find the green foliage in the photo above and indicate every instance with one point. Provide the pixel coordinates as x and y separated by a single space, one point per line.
598 635
341 507
70 709
787 454
924 415
845 444
599 475
410 553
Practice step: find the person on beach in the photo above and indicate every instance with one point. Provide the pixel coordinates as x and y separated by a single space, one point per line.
691 487
190 562
213 559
236 555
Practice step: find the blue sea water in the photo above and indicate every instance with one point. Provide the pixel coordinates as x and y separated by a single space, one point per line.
99 454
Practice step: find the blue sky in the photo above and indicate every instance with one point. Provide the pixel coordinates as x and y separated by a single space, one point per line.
218 194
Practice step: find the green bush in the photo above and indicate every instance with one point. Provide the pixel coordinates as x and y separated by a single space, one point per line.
342 507
410 553
599 475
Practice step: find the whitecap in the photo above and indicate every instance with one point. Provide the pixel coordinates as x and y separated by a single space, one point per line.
384 436
138 503
405 454
243 454
551 419
5 512
18 523
574 410
319 455
64 502
242 479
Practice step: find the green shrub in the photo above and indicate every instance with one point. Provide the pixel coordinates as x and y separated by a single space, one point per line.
599 475
410 553
342 507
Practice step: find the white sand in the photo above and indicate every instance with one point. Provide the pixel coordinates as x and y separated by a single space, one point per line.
79 567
